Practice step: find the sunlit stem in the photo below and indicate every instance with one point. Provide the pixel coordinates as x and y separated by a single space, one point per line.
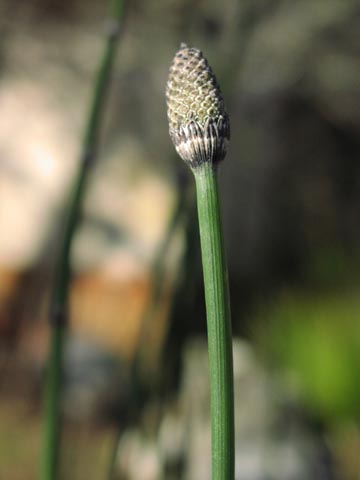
218 323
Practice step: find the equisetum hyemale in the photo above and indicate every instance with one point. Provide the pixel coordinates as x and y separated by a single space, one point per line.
200 130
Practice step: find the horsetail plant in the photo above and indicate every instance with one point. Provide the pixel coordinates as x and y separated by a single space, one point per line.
200 130
58 312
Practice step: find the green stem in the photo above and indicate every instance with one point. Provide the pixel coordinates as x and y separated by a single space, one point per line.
218 323
158 276
60 297
138 367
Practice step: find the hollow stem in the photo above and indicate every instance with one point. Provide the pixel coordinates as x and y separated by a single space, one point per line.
218 323
58 313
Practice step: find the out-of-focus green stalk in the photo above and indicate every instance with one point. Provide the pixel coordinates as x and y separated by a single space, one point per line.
60 297
158 276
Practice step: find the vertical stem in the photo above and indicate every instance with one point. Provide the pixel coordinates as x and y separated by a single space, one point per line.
52 405
158 287
58 313
218 323
137 372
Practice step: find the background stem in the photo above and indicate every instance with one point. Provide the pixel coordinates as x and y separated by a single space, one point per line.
58 313
218 323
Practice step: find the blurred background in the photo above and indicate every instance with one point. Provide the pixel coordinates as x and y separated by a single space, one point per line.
136 362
